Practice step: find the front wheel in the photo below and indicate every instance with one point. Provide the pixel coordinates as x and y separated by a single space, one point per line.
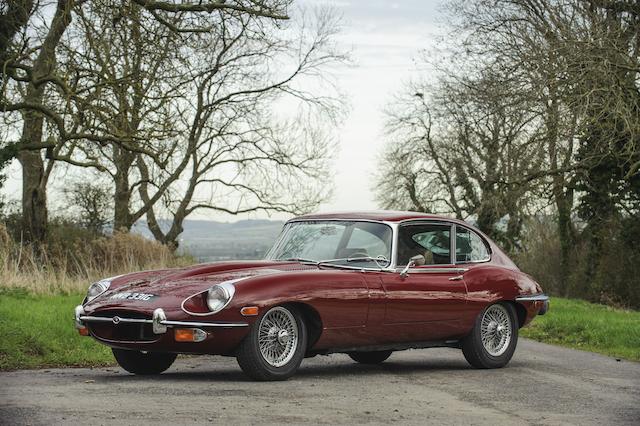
376 357
493 340
143 363
275 346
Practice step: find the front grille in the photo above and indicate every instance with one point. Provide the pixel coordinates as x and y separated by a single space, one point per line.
123 332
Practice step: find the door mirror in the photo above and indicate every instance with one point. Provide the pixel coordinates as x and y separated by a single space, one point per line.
418 259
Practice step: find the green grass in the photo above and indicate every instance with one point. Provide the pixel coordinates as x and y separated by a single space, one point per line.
590 327
37 331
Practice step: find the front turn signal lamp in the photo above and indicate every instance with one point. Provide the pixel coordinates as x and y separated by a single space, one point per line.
249 311
189 335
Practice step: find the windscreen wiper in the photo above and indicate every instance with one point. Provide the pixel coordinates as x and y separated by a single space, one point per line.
376 260
299 259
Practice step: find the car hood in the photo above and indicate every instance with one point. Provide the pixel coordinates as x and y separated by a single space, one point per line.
169 287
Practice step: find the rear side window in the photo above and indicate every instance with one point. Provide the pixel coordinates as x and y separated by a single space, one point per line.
470 247
433 241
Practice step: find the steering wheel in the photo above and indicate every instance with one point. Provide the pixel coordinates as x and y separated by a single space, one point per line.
359 254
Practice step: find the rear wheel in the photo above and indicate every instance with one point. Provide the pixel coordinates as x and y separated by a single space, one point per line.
275 346
370 357
143 363
494 337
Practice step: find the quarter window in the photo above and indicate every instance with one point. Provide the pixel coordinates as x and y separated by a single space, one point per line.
470 247
429 240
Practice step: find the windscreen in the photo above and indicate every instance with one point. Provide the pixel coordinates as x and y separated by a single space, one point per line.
341 241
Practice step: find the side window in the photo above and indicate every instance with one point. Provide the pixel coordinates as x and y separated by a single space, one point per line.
431 241
470 247
365 243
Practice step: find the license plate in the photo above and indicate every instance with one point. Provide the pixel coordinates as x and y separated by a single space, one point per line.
132 296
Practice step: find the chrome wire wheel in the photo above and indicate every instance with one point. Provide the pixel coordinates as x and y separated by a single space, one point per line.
278 336
495 330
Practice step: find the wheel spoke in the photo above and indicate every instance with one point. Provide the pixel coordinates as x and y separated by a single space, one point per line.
278 336
495 330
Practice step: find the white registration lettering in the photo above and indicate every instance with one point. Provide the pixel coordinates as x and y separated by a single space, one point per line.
132 296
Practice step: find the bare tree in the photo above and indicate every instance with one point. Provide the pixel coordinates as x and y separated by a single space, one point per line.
579 61
92 203
462 150
237 157
186 119
130 70
33 62
567 74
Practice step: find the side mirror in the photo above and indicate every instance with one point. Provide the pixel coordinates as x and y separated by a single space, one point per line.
418 259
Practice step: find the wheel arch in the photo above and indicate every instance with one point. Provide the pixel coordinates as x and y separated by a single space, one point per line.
312 321
521 312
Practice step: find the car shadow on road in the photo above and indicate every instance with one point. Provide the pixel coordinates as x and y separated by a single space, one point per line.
330 370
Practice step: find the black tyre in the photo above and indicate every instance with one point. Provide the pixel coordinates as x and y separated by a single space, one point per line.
494 337
275 346
143 363
370 357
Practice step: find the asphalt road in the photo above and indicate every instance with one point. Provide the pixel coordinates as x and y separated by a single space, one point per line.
542 385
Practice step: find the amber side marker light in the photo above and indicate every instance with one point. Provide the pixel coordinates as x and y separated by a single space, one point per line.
84 331
189 335
248 311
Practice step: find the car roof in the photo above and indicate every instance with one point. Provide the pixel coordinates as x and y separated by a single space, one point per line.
379 215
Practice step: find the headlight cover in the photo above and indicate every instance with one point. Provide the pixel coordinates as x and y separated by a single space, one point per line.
97 288
219 296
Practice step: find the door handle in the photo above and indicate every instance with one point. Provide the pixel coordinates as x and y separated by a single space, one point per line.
456 278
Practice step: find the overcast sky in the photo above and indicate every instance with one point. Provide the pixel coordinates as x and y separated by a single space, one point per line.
384 38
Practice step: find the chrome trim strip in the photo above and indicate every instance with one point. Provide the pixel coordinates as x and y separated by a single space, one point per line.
394 233
168 323
127 342
204 324
394 239
533 298
428 270
89 318
448 221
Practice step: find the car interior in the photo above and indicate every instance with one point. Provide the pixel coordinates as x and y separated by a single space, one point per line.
431 241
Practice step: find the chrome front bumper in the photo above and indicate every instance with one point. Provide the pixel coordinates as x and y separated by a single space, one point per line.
541 297
159 321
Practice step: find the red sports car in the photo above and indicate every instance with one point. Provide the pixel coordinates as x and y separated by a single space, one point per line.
365 284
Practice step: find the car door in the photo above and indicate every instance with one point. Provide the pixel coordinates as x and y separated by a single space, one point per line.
428 302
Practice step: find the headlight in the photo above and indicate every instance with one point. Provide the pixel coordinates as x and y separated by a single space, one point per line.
97 288
219 296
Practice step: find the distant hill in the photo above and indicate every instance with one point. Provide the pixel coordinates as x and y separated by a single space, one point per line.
209 240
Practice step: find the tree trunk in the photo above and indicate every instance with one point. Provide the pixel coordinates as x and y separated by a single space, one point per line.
564 205
34 196
34 183
122 218
562 196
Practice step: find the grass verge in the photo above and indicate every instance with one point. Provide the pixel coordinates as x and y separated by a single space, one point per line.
587 326
37 331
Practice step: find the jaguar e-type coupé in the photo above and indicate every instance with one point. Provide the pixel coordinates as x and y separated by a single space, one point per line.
364 284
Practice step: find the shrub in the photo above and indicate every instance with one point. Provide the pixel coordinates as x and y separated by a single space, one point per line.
608 273
73 257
